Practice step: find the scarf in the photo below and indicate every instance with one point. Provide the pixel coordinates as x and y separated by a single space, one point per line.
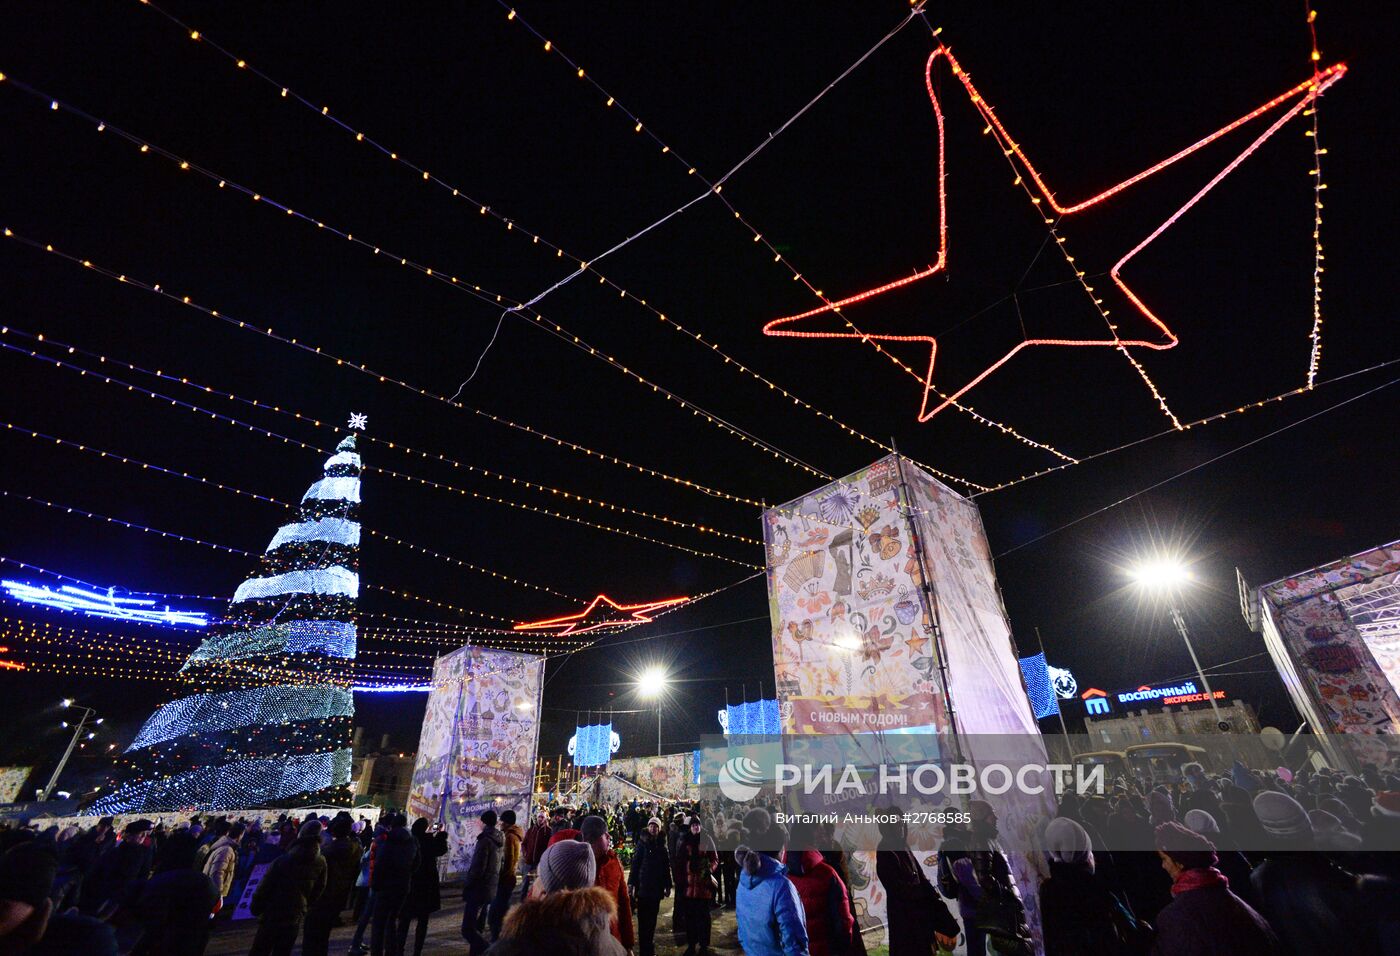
1199 878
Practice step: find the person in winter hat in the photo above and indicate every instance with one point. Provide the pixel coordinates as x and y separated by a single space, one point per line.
566 915
28 923
695 860
649 882
975 871
395 857
482 877
513 837
1204 918
1381 833
425 891
532 848
291 884
610 877
176 903
1160 807
1234 864
1079 915
768 910
1311 901
825 902
342 857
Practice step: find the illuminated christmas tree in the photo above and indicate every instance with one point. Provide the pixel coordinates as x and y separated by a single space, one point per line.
269 715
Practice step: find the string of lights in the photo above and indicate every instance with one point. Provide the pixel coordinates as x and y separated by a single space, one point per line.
1315 336
114 653
1197 467
229 420
1011 149
426 622
27 566
512 225
41 436
405 449
400 447
438 275
134 526
52 633
270 333
1208 419
715 189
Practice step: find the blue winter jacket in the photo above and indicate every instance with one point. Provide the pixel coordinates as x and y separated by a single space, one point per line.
769 912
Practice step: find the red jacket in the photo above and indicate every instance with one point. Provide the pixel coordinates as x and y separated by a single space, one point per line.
611 878
693 864
536 842
824 898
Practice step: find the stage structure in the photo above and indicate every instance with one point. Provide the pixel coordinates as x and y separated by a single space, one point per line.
1334 634
269 714
479 743
886 618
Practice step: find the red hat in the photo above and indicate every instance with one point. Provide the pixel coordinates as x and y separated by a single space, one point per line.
1387 803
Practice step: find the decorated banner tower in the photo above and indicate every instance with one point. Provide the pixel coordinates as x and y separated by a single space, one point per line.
268 714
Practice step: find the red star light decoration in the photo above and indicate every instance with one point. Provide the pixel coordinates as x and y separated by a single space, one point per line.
601 612
1305 92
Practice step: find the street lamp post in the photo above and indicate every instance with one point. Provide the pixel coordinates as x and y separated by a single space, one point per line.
77 734
1168 578
653 683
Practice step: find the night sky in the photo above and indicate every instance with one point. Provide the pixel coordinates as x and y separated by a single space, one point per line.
1094 92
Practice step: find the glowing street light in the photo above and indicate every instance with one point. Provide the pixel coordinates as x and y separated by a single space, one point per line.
1167 574
1166 577
652 684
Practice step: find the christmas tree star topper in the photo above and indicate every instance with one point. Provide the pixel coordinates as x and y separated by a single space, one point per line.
359 421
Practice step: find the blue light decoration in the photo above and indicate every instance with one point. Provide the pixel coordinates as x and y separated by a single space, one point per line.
67 597
594 745
757 717
1038 687
392 688
1066 687
268 708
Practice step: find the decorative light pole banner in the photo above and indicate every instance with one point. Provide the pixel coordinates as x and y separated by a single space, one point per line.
594 745
1038 687
479 743
751 717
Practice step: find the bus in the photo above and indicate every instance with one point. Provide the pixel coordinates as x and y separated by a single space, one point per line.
1162 762
1114 762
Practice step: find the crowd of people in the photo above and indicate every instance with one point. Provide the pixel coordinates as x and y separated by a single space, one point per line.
1239 862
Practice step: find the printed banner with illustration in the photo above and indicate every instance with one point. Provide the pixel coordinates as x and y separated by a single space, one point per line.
855 646
668 776
479 742
11 781
1330 635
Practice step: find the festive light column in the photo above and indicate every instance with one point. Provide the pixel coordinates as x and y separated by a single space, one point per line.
270 716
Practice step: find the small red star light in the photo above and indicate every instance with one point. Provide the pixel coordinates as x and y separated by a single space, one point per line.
602 612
